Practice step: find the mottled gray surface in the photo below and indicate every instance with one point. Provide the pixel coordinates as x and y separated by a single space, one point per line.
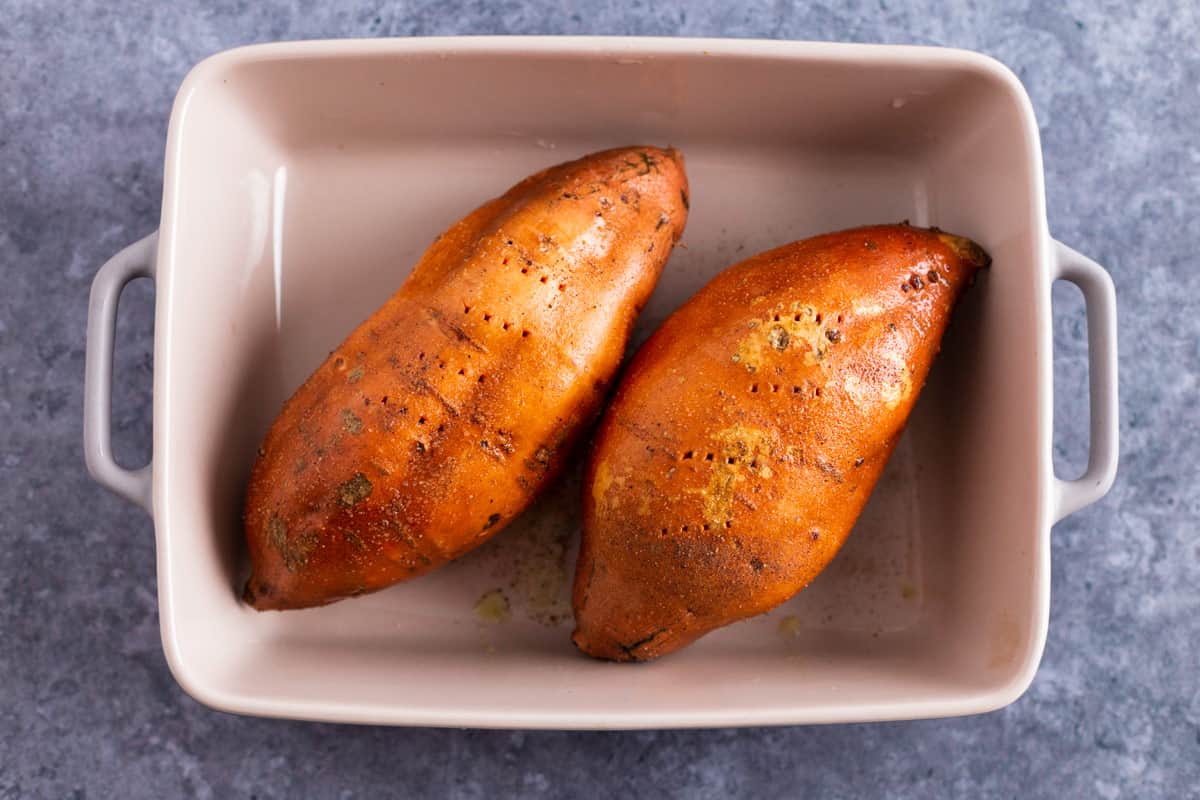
87 706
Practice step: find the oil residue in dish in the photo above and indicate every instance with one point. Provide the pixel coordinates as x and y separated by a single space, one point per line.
789 627
493 607
533 559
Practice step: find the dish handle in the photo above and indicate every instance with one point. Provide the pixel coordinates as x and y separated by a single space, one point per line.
135 261
1100 300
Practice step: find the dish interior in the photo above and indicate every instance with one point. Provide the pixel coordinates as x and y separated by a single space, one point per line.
302 189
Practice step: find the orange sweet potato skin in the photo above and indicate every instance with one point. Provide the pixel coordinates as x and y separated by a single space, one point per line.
749 430
440 418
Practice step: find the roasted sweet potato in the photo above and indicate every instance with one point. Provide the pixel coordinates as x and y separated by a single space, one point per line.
749 430
440 418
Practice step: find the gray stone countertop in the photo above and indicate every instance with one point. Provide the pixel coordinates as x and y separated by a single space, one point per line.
87 705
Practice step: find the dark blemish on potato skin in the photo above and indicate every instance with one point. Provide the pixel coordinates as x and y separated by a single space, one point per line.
858 462
264 590
829 469
355 375
778 337
355 490
591 574
295 554
505 443
351 422
540 460
354 540
815 534
454 329
629 648
491 520
683 196
756 564
833 335
277 532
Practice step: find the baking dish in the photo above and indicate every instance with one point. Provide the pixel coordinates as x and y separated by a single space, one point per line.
302 181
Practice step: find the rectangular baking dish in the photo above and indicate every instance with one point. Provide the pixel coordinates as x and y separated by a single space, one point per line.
303 180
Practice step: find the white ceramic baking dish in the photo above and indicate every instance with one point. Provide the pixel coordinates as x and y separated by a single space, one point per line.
303 180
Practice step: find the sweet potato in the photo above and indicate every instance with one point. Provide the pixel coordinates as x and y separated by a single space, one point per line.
440 418
749 430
